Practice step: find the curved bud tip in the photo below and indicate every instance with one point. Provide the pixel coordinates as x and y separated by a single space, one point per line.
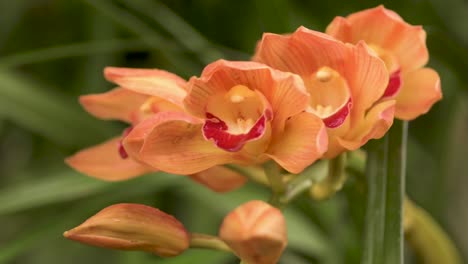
256 232
133 227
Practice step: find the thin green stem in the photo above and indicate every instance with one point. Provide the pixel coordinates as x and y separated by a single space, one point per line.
395 191
304 181
151 37
183 32
71 50
334 181
375 209
272 171
208 242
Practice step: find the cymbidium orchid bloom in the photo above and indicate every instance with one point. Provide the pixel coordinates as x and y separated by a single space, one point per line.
344 82
142 94
237 112
256 232
133 227
403 49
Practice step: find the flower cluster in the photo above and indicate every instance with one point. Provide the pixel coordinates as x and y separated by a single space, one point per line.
304 96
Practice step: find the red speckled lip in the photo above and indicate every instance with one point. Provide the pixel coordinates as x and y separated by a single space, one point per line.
216 129
339 117
394 84
122 152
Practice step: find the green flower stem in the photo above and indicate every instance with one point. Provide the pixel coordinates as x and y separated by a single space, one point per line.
376 174
429 241
208 242
395 191
334 181
304 181
423 234
278 187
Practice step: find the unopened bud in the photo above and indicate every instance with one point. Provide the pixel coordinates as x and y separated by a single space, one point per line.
133 227
256 232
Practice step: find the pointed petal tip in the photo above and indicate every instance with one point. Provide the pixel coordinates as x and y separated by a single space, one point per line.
103 162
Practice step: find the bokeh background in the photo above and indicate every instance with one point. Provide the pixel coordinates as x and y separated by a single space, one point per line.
52 51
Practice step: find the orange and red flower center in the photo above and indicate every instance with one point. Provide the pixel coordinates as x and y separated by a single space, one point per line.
330 97
236 117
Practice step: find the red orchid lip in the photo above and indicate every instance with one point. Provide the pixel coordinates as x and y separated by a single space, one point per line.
122 152
339 117
394 84
216 129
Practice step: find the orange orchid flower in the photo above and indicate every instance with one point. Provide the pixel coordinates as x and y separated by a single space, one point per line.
142 94
403 49
237 112
344 82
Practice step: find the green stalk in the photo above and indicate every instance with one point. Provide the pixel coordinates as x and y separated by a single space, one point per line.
396 169
376 174
272 171
205 241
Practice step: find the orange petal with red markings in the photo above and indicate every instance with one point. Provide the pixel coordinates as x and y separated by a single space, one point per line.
367 77
420 90
104 162
177 146
303 141
219 179
119 103
150 82
284 91
373 126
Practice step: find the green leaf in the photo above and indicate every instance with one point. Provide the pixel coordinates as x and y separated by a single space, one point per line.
62 188
38 109
67 185
72 50
375 209
170 50
383 242
183 32
395 191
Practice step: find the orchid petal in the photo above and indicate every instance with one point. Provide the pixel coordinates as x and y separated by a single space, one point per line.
374 126
284 91
419 92
303 141
150 82
384 28
367 77
219 179
104 162
177 146
303 52
119 103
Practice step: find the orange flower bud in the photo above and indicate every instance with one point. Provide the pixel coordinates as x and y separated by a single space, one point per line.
133 227
256 232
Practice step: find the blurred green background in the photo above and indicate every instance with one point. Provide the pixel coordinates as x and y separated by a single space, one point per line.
51 51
